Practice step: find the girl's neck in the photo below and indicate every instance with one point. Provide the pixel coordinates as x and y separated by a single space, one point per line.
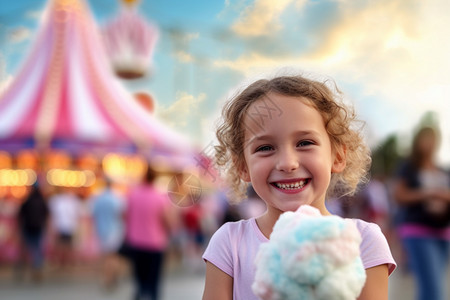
267 221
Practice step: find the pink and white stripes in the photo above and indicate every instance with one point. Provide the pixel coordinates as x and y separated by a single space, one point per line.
66 91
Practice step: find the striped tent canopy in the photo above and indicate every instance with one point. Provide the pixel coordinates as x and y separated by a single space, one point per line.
66 95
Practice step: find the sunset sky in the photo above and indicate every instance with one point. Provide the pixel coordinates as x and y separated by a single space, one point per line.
389 57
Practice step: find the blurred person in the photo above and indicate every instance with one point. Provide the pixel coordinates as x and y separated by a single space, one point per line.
377 197
370 204
149 221
195 237
231 213
423 196
32 220
107 212
254 206
210 204
65 208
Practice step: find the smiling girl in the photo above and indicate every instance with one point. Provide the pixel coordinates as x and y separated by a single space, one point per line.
291 138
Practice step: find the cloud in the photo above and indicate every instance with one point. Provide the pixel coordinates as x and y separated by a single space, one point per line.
247 62
395 42
262 17
5 83
395 53
389 55
5 79
18 34
182 37
192 36
34 14
182 41
183 57
184 115
253 64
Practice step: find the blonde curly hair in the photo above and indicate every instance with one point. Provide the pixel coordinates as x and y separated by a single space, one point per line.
338 119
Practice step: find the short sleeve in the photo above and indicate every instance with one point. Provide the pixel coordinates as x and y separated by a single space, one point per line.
374 247
219 251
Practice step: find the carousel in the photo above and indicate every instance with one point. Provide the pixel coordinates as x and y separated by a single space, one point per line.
67 120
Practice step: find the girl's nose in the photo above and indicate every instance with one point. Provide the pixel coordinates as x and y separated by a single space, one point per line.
287 161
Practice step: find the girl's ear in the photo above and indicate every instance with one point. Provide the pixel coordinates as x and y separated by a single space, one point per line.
242 169
243 173
340 159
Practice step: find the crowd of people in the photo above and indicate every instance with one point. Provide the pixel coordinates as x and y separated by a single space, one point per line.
135 233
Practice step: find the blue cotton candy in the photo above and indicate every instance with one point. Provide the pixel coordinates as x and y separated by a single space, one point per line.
310 256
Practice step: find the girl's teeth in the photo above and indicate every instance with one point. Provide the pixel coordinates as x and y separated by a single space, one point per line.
290 186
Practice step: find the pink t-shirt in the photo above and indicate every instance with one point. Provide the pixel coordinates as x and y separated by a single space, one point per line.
145 226
234 246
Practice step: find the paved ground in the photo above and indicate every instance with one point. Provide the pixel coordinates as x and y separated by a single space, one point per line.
402 286
85 286
178 284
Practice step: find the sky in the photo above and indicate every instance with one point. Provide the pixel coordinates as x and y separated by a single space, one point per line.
389 57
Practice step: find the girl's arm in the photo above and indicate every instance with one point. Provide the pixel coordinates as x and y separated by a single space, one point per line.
404 194
218 284
443 195
376 286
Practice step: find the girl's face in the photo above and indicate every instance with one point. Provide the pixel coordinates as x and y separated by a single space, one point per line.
287 151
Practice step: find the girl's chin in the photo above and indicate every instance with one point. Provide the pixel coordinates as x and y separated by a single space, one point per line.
292 206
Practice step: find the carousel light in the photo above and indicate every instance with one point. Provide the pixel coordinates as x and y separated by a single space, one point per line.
3 191
19 177
124 168
18 192
58 160
87 162
27 159
5 160
70 178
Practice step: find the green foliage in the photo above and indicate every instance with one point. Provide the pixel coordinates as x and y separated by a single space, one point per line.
386 157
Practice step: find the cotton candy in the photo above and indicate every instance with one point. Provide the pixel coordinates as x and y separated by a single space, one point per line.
311 257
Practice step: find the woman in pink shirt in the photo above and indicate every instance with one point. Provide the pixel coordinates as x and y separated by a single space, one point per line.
148 224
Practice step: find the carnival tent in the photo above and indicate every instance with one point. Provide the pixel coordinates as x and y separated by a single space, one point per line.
66 95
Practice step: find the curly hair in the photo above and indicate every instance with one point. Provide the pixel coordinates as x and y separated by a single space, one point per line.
338 119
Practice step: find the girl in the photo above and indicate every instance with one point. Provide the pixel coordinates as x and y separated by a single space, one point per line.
291 138
422 191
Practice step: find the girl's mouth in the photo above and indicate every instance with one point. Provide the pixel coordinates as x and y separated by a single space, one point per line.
291 185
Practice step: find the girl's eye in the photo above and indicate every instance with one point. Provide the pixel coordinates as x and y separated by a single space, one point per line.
263 148
305 143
